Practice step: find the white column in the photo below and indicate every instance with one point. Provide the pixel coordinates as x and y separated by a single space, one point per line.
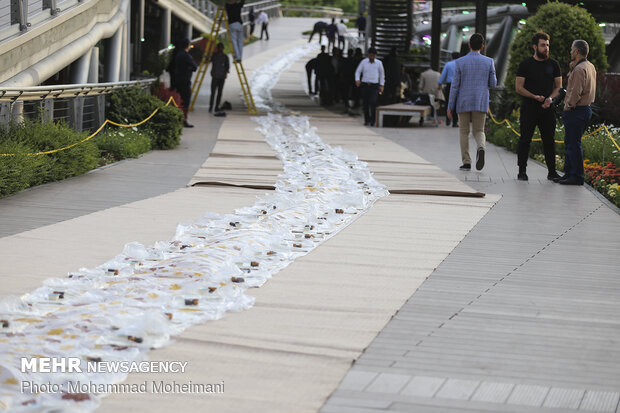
113 57
166 22
190 29
124 67
80 68
93 70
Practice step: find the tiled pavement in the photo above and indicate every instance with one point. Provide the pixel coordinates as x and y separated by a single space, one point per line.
521 317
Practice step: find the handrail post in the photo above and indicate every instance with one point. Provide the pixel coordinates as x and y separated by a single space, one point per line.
5 112
48 109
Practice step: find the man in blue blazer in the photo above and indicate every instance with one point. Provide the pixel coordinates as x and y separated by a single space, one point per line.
474 74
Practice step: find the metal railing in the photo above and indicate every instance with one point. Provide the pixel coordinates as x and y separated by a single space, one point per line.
311 11
81 106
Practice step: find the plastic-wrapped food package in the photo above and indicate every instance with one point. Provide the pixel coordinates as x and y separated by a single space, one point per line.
140 298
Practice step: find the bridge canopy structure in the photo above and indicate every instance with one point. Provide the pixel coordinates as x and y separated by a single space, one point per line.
59 41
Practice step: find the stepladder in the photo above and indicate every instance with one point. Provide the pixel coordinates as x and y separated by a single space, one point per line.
221 17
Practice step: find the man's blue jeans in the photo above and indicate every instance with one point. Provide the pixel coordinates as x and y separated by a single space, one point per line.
575 122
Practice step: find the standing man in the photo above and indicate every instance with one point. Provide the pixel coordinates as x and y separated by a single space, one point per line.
538 80
580 93
323 71
252 20
360 23
185 65
447 74
331 31
429 85
370 76
342 31
264 21
311 67
219 71
474 74
235 26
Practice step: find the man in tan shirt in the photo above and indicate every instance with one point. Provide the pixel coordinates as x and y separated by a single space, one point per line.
580 93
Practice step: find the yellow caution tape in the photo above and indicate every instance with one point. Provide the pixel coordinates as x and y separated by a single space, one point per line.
539 139
171 100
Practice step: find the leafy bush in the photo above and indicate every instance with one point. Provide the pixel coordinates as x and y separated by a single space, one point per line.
564 23
45 136
164 94
117 144
30 136
19 171
132 105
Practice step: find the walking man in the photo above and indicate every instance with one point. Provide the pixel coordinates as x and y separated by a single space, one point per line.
538 80
474 74
447 74
184 67
370 76
219 71
580 93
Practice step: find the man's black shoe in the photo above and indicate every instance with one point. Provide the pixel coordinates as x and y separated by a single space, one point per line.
553 177
187 125
465 167
480 159
558 179
569 181
522 177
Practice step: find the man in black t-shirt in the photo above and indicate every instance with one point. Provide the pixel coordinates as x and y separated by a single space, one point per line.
538 80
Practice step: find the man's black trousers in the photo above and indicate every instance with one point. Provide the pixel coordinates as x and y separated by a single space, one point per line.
369 101
217 85
531 117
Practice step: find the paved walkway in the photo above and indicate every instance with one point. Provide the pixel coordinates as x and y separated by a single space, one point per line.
521 315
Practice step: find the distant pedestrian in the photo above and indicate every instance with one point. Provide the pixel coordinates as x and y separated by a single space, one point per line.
370 77
342 31
538 81
235 26
355 91
391 66
360 23
332 32
580 93
252 19
184 67
319 27
429 85
447 74
474 74
219 71
311 68
324 70
264 21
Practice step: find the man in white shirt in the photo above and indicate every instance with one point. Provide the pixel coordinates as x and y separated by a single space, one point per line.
370 76
264 21
342 30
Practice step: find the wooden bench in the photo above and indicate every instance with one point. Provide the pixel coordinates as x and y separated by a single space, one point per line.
401 109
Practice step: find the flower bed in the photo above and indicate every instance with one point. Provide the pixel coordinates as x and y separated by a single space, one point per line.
602 156
604 178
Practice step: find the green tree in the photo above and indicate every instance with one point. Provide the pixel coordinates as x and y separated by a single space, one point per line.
564 23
